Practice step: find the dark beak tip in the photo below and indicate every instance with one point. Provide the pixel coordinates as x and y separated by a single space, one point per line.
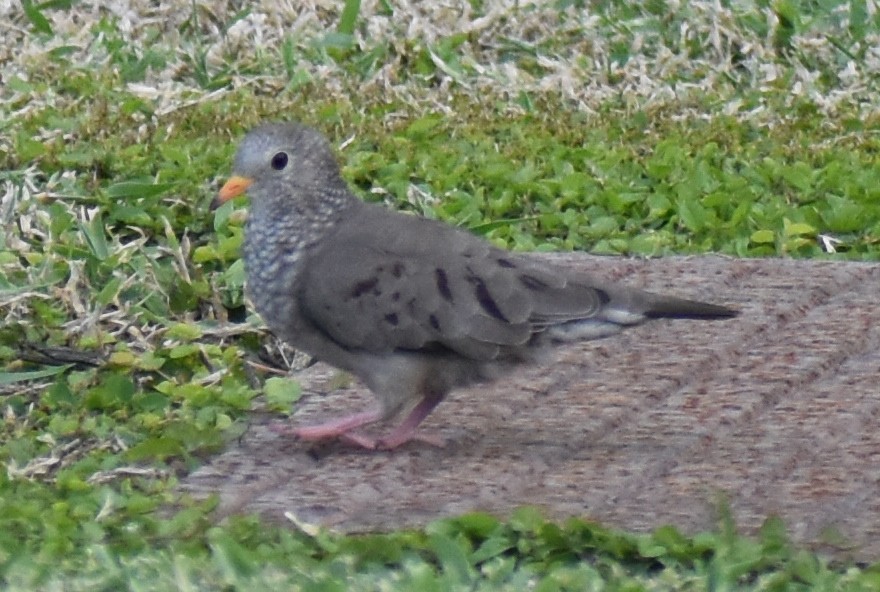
215 203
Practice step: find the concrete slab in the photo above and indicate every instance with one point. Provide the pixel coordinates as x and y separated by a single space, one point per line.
777 409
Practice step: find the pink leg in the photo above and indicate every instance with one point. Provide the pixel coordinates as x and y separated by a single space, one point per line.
343 426
337 427
405 432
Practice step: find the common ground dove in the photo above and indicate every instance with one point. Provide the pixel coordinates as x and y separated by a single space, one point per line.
413 307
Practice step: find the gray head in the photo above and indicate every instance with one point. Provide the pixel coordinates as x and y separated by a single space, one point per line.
283 161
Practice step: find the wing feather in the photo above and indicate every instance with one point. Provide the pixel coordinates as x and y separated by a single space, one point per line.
386 281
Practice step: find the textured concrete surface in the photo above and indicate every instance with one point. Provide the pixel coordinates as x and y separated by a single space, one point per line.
778 410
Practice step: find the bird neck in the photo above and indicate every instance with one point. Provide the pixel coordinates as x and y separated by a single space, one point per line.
298 223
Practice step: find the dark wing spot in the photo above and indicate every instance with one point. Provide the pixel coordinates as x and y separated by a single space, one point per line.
443 284
485 299
604 298
397 269
532 283
392 319
506 263
364 286
434 322
433 347
395 297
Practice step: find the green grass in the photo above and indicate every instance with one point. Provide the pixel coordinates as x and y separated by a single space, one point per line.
607 127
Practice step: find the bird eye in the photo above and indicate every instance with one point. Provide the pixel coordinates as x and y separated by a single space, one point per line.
279 161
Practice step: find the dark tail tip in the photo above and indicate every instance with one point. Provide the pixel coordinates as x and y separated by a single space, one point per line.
675 308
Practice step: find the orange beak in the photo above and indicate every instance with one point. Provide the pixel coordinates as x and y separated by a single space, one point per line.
234 187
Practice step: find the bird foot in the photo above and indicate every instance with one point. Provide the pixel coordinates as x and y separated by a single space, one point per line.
343 428
406 431
390 442
395 440
336 428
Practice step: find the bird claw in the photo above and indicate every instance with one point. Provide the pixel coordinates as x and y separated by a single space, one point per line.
390 442
360 440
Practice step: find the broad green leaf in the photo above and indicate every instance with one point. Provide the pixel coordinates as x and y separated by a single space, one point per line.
184 332
182 351
692 214
763 236
281 392
797 228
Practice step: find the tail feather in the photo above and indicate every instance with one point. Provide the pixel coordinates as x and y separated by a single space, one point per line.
632 308
662 307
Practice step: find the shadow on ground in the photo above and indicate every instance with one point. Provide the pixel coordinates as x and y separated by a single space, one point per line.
776 410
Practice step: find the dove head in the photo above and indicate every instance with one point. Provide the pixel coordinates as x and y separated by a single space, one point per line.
284 162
